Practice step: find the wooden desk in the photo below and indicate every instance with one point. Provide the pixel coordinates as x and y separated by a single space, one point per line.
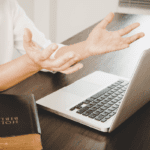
59 133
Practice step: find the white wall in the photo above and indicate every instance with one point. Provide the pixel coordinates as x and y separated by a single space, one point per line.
74 16
61 19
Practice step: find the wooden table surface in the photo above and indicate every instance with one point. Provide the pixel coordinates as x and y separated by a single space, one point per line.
59 133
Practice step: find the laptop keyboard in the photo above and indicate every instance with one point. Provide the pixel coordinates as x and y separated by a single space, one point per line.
104 104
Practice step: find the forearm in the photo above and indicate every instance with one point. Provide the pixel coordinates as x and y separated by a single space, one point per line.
16 71
78 48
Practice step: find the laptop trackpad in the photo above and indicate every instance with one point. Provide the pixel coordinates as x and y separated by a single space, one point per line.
82 88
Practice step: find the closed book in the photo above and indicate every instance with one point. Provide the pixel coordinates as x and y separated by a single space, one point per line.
19 123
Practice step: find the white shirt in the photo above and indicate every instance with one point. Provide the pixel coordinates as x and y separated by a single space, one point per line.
13 20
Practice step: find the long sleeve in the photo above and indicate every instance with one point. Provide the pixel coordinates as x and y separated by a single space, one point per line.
21 21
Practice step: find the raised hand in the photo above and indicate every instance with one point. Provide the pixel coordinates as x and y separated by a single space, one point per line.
41 59
102 41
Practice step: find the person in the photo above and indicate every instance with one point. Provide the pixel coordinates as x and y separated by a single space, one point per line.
18 31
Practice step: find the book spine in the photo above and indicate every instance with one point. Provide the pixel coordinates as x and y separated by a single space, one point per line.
35 118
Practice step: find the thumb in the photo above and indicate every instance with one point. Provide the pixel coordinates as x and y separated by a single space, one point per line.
27 37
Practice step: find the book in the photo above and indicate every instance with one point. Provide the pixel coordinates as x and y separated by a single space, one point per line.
19 123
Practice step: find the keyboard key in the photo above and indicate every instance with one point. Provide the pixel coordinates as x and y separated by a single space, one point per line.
99 117
104 120
120 96
99 98
110 103
107 117
111 108
104 113
116 105
92 115
112 114
117 93
114 100
113 90
124 83
119 86
107 99
90 99
111 86
80 111
114 95
100 93
107 105
96 112
103 107
117 98
73 108
90 105
119 102
88 112
110 92
96 101
78 106
93 108
103 96
104 101
120 81
108 111
115 111
99 104
106 94
86 102
100 110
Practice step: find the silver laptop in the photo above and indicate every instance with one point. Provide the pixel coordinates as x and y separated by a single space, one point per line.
100 100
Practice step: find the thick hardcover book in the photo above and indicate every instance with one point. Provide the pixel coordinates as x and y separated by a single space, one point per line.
19 123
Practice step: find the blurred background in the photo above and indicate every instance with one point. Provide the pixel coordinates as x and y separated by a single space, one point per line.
62 19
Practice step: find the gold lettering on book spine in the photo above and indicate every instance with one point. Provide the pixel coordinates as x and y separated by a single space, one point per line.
8 120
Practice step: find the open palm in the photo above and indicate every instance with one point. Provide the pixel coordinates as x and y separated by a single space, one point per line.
102 41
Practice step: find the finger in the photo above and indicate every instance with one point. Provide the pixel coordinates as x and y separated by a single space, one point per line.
27 40
27 36
128 29
106 20
47 52
56 63
68 64
122 46
134 37
73 69
37 46
60 61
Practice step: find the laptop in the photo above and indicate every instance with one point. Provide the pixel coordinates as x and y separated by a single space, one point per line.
101 100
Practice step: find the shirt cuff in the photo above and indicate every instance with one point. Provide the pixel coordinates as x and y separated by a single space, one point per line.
52 56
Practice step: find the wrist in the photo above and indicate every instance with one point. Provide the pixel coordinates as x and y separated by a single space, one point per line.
86 49
35 67
81 49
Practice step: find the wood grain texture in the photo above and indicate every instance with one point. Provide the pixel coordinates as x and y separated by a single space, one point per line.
59 133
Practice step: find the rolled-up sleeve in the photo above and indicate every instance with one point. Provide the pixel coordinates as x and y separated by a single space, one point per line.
21 21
